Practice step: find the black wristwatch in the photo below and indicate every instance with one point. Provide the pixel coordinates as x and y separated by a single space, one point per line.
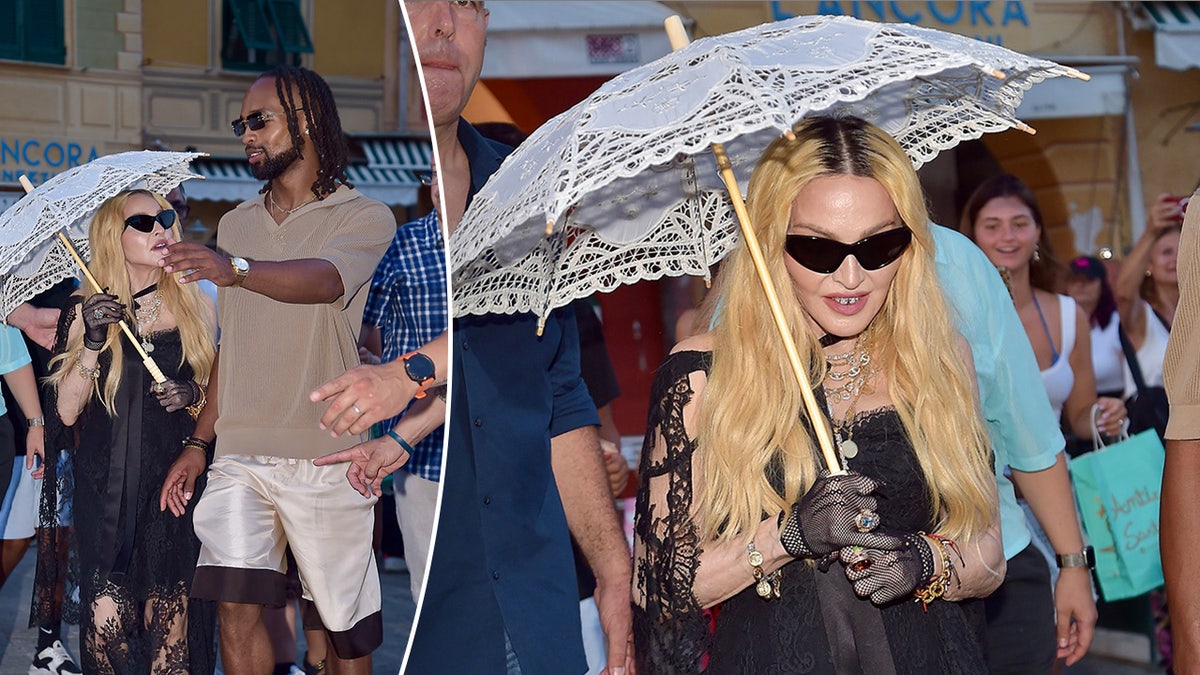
1085 558
420 369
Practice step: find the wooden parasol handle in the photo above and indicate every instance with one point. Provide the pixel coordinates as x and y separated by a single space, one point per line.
147 360
679 39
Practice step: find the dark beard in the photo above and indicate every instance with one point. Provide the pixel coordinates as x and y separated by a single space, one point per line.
273 166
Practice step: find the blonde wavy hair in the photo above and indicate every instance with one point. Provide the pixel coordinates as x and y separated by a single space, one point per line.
185 301
752 431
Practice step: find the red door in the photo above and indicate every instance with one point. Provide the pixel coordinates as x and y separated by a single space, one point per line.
633 329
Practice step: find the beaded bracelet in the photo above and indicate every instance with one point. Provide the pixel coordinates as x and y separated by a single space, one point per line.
197 443
936 587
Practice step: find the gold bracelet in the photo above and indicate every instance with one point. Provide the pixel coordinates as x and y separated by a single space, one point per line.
936 587
766 585
86 373
195 408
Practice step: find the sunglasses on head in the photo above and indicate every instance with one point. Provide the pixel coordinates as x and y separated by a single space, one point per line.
824 256
255 121
143 222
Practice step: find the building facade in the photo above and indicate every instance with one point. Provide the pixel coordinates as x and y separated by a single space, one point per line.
84 78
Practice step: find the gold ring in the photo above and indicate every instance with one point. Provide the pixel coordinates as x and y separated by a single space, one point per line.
866 520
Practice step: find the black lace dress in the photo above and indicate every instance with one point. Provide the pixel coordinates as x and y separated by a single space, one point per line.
818 625
135 561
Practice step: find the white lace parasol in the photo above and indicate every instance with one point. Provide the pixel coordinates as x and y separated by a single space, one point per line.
626 182
31 257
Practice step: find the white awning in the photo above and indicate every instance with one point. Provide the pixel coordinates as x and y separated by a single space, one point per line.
1061 97
573 39
390 174
1176 33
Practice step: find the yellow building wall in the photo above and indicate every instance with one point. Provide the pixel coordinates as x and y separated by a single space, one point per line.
1074 165
1165 103
349 37
175 33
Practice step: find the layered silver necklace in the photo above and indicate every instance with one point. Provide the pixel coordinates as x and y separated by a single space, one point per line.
852 383
147 316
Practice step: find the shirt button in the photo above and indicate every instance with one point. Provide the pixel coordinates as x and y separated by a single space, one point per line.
487 501
496 576
466 347
478 422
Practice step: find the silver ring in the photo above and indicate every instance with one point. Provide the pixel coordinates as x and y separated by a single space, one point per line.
356 409
99 314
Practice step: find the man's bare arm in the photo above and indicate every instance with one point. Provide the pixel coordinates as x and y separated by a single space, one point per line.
592 518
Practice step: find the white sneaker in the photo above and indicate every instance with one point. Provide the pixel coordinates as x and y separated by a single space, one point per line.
54 660
296 670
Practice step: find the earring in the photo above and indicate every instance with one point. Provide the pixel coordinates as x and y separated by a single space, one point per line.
1037 253
1149 274
306 132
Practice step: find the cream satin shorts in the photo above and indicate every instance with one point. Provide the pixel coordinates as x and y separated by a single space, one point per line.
254 507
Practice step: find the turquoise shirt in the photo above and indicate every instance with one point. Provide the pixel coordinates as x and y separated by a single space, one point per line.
13 354
1021 425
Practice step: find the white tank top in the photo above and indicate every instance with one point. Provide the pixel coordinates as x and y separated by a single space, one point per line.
1107 359
1150 356
1059 377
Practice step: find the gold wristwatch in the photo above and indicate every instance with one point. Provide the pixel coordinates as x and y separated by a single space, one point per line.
241 267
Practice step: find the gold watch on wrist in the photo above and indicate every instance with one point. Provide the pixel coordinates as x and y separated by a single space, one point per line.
241 267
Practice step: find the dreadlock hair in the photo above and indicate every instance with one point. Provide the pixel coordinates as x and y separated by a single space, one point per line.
325 127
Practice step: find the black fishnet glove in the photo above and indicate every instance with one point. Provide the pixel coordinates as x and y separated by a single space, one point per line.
889 575
822 521
98 312
176 394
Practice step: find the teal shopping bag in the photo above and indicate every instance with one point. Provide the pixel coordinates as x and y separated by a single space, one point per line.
1117 488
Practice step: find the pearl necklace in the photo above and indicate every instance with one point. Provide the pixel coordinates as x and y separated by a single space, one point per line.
288 212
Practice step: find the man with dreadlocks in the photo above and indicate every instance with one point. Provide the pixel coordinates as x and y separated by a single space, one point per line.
291 300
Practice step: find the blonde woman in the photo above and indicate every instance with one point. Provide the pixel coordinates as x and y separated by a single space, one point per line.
136 561
817 573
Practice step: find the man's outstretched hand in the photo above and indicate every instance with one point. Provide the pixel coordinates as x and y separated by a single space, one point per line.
370 463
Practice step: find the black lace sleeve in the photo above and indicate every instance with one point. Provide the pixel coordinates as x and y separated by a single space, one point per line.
56 492
670 629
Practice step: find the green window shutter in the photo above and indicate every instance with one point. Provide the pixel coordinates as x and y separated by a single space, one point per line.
10 30
43 26
252 24
289 26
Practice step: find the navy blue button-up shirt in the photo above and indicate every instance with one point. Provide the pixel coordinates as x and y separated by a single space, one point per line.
502 560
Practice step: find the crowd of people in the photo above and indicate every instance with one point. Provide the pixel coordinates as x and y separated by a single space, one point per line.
955 371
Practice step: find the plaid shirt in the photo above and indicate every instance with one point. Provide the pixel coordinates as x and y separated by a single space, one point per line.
409 304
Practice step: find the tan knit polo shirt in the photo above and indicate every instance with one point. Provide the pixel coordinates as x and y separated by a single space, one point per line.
1181 367
273 353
